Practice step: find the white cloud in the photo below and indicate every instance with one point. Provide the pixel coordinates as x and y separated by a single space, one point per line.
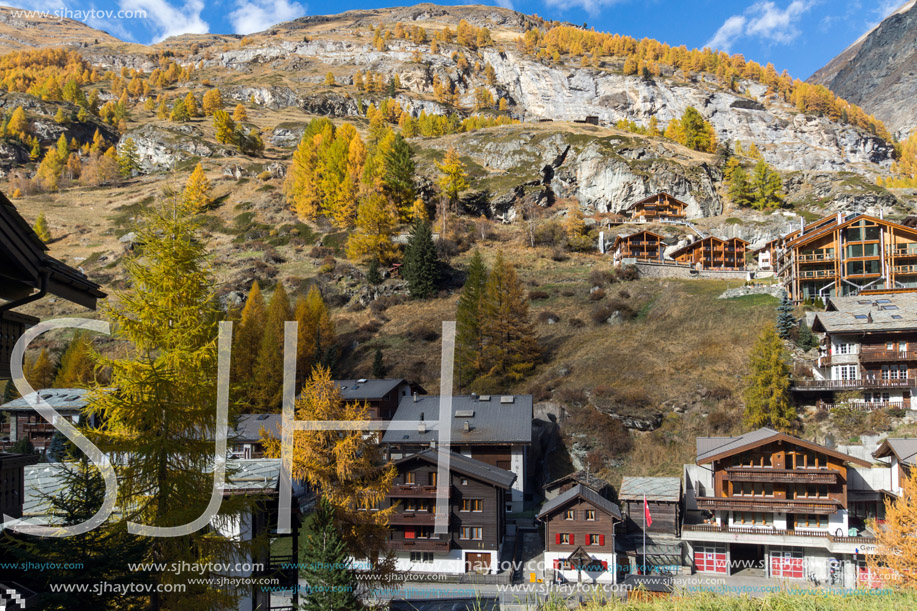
505 3
593 7
764 20
165 19
258 15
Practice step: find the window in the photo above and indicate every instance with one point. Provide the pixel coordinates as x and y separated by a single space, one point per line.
424 532
410 505
568 515
421 556
565 538
894 372
464 481
475 533
409 478
590 515
752 518
810 521
595 540
432 478
845 348
845 372
472 505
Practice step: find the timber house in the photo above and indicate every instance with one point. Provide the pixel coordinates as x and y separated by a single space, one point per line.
642 246
658 207
713 253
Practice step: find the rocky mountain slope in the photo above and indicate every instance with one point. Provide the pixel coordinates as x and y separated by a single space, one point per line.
879 71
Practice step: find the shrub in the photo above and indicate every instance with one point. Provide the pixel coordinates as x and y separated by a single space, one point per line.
627 273
539 393
319 252
422 332
602 313
597 295
546 316
538 294
568 292
573 396
576 323
598 277
550 233
559 256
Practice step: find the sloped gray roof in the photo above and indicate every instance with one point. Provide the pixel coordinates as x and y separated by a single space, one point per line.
367 390
467 466
58 398
47 479
904 449
491 420
579 490
882 312
580 477
655 489
711 446
249 426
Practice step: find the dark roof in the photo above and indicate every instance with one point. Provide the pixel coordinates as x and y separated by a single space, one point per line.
587 494
904 449
656 196
24 262
369 390
876 312
712 448
654 488
466 466
580 477
492 419
58 398
248 427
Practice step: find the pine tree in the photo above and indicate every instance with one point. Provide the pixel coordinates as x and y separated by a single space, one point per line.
739 189
469 342
63 149
161 422
453 177
329 79
197 190
18 124
162 110
41 228
60 117
76 364
316 338
376 222
41 373
49 170
399 175
805 339
347 466
212 102
191 105
510 347
224 127
34 150
895 562
421 261
378 371
239 115
786 321
246 343
328 570
267 385
180 112
373 275
767 395
767 187
128 158
301 186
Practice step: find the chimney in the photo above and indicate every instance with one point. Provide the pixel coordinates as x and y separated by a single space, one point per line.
421 427
474 396
467 426
421 416
415 397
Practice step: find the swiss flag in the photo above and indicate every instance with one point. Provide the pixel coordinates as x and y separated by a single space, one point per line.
648 519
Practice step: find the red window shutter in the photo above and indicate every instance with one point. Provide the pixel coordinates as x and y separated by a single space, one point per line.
556 563
602 541
409 533
571 538
557 538
604 565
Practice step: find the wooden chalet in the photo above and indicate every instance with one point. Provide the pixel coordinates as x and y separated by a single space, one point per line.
713 253
902 455
658 207
849 254
21 421
643 246
660 548
579 527
477 495
12 482
382 396
768 499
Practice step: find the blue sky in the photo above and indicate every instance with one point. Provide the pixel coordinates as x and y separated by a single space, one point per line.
798 35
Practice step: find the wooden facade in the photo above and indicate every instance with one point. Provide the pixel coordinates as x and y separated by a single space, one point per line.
579 523
477 520
12 484
844 255
713 253
643 246
658 207
666 517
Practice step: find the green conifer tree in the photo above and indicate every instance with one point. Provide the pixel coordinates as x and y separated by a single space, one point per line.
41 228
378 371
373 275
421 261
786 321
328 573
767 395
468 338
245 346
128 158
398 176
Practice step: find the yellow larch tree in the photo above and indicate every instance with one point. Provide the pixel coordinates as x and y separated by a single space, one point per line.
197 190
376 222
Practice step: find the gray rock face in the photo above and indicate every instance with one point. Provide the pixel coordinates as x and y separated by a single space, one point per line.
879 71
159 147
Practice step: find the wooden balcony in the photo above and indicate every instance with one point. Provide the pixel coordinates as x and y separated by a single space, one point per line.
747 530
817 273
904 252
420 518
413 491
884 356
738 503
420 545
816 258
866 383
866 406
906 269
798 476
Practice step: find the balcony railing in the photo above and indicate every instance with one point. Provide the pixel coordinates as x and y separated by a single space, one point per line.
817 273
413 491
763 530
767 474
816 258
800 384
866 406
408 518
906 269
420 545
877 356
905 252
734 503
